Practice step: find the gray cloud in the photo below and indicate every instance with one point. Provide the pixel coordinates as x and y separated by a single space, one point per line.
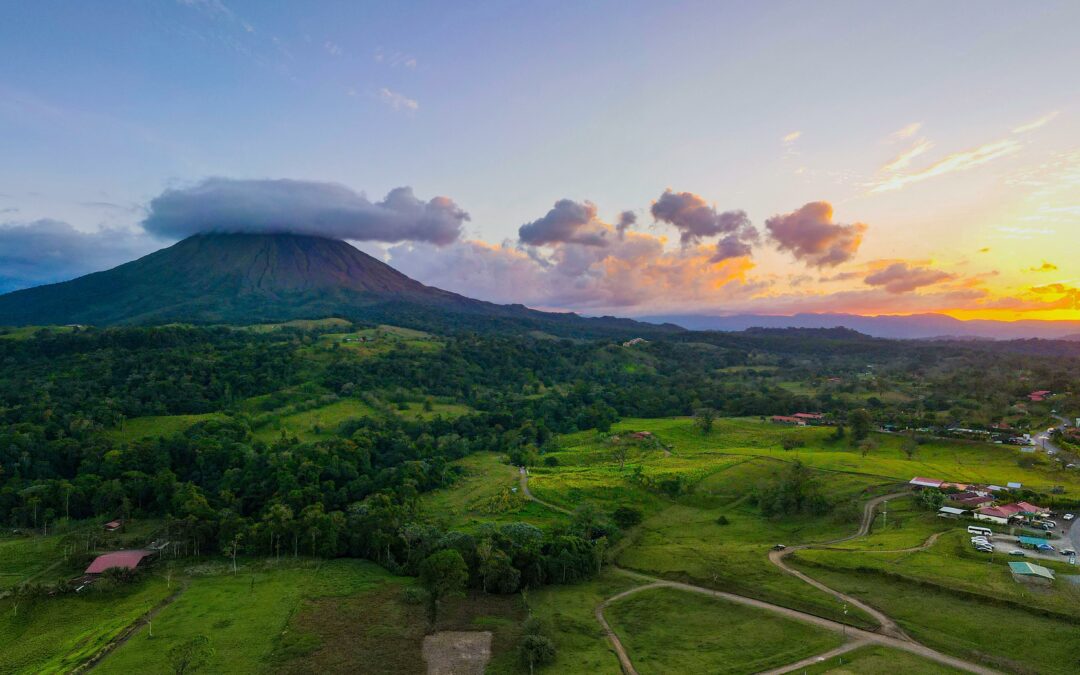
46 251
302 207
696 219
569 222
811 236
903 278
731 247
627 219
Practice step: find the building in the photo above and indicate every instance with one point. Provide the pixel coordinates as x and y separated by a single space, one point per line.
971 501
113 525
127 560
1031 542
809 417
950 512
1039 395
920 482
1014 486
994 514
788 419
1031 573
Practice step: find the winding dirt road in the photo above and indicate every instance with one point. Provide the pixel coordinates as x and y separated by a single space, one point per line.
889 634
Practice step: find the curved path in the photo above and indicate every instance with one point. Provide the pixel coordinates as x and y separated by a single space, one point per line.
887 625
890 635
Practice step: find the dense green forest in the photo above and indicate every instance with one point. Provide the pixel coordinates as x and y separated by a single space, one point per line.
232 483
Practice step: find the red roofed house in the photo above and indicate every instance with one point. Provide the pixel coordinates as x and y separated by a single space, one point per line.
113 525
809 416
127 560
1026 507
971 501
1039 395
788 419
995 514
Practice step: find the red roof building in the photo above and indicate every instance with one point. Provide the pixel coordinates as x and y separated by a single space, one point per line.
788 419
113 525
127 560
809 416
919 481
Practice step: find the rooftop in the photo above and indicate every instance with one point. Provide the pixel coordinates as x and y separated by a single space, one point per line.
124 559
1031 570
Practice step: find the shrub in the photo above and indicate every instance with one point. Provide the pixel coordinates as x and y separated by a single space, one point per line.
551 460
626 517
414 595
723 520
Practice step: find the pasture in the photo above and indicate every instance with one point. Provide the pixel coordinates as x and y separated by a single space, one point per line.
672 631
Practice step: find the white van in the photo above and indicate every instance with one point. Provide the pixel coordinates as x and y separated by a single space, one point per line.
984 531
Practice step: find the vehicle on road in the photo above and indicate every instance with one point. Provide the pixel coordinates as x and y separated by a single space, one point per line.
984 531
1018 552
779 547
1067 551
1069 516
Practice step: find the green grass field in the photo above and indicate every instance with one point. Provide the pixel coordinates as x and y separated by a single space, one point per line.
314 424
568 614
960 461
485 493
54 635
244 615
22 557
877 660
1001 636
158 425
671 631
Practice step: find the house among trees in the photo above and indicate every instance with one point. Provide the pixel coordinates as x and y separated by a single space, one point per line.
810 418
1039 395
788 419
127 560
113 525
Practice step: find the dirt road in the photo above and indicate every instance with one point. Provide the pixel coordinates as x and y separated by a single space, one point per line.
890 634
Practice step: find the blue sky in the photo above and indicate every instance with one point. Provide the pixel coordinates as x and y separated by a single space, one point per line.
507 107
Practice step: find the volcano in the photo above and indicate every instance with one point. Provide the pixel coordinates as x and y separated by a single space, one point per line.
256 278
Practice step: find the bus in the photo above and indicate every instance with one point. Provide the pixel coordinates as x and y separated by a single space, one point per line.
984 531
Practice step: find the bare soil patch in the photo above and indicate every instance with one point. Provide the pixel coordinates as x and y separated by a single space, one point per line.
457 652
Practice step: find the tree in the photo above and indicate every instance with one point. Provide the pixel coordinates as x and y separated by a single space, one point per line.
536 650
704 418
626 517
443 574
190 655
860 424
620 453
909 446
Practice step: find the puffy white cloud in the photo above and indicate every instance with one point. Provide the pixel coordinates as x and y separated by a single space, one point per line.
302 207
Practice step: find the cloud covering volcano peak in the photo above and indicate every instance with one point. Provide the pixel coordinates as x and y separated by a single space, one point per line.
302 207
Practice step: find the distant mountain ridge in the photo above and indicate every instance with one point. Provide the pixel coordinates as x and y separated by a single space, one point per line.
252 278
911 327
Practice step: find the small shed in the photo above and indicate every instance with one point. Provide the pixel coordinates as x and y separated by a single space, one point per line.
1030 542
127 560
113 525
950 512
1030 573
920 482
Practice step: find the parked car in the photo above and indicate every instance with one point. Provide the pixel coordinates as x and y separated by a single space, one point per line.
1068 551
1068 516
779 547
1018 552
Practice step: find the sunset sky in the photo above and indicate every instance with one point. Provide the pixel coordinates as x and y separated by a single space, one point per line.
629 158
